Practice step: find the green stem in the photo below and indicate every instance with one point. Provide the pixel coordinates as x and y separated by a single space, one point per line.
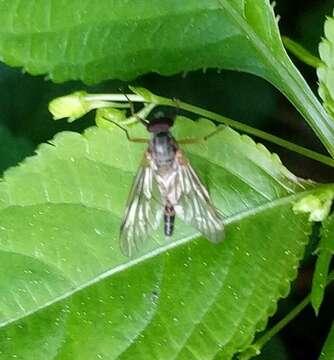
282 323
301 53
159 100
143 95
258 345
114 97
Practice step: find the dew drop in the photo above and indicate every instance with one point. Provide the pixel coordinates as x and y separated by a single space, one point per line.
98 232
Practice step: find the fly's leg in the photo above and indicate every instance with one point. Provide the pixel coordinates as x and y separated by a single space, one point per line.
130 138
134 114
201 139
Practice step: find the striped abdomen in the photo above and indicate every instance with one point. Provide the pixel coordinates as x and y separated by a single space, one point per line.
169 218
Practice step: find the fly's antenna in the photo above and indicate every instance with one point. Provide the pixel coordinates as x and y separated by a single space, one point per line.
133 113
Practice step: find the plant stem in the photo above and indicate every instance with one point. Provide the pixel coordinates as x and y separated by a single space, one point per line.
247 129
282 323
301 53
114 97
159 100
258 345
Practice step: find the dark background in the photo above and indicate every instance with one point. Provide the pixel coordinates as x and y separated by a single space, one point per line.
25 123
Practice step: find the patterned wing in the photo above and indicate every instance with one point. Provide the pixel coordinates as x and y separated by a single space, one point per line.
144 210
194 205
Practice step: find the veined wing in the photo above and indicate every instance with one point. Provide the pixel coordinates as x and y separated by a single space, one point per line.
144 209
194 205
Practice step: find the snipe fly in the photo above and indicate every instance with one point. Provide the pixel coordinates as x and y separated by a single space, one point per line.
166 185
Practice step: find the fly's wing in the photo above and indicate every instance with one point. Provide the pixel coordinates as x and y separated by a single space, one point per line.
144 210
194 205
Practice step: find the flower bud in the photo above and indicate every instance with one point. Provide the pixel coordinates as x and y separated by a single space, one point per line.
72 106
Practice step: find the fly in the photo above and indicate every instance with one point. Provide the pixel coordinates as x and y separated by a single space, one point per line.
166 186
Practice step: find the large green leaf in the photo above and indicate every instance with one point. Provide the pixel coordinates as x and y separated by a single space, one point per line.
69 293
118 39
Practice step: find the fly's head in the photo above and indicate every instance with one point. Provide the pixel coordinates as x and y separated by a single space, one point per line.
160 125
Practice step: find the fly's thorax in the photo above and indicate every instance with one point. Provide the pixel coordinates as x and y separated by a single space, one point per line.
163 149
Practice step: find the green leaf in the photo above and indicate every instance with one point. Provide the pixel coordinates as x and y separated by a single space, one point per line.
69 293
117 39
327 352
326 251
326 70
12 149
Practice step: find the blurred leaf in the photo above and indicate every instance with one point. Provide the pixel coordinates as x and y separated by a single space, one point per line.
327 352
12 149
70 294
123 40
326 251
326 71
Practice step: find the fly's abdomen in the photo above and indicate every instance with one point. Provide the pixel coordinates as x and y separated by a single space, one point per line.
169 218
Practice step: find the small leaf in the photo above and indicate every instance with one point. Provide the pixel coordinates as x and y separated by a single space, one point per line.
325 251
104 117
317 205
326 70
327 353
